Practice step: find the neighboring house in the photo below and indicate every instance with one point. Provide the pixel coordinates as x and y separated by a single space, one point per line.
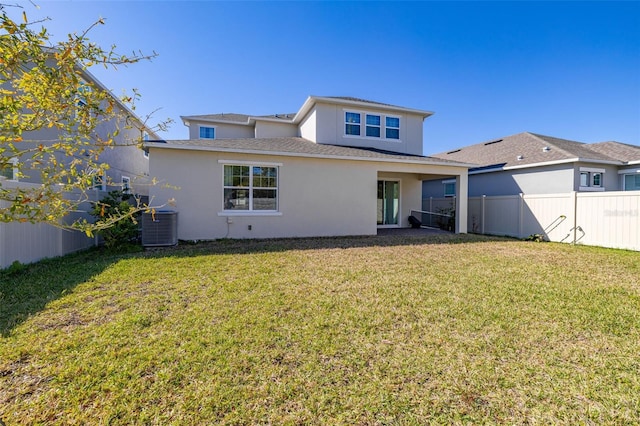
528 163
128 164
338 166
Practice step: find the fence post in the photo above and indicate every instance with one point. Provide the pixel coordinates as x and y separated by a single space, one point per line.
574 194
482 213
520 215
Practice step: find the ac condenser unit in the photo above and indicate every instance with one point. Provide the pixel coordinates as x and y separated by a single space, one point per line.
160 229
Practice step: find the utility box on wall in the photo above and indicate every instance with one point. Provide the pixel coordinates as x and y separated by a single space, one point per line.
160 229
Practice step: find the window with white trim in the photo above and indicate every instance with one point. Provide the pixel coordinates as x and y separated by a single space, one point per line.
99 181
449 188
392 127
378 126
250 187
591 179
352 123
9 170
373 126
207 132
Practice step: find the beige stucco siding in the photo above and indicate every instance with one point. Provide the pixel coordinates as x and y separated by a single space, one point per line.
331 129
223 130
316 197
269 129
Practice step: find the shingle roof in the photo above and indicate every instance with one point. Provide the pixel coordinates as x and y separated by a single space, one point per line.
296 146
620 151
530 148
366 101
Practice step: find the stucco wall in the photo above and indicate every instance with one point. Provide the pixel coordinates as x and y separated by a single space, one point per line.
317 197
124 157
330 129
541 180
611 180
269 129
223 130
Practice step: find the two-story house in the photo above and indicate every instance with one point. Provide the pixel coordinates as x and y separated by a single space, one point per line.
128 165
337 166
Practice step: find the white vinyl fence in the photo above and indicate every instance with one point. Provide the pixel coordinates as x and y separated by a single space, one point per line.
27 242
605 219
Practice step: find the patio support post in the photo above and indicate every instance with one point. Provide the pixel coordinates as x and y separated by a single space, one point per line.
462 200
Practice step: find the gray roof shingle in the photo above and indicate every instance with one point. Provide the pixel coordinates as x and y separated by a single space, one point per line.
297 146
530 148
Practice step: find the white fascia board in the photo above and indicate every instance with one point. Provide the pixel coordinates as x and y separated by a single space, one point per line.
312 100
299 154
568 160
628 171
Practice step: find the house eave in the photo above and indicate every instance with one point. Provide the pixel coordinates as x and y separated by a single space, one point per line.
163 145
312 100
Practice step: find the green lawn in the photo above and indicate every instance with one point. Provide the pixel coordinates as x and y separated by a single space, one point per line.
445 330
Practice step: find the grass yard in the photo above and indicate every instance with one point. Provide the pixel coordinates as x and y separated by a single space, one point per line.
442 329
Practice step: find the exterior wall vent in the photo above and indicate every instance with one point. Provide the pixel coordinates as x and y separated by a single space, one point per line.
160 229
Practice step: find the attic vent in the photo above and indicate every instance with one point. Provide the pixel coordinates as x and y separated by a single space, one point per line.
520 157
492 142
454 151
546 149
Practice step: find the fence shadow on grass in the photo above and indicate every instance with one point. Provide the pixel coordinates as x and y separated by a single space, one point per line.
25 290
387 238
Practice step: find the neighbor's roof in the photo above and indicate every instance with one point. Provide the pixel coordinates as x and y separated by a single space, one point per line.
297 147
528 149
296 117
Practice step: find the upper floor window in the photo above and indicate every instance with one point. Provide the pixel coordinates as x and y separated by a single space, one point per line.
373 126
376 125
352 126
392 127
207 132
250 187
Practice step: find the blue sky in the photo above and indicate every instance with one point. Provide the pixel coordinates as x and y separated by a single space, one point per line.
487 69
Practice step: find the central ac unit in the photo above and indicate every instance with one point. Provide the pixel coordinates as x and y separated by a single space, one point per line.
160 229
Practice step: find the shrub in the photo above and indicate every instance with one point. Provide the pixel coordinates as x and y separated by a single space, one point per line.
117 232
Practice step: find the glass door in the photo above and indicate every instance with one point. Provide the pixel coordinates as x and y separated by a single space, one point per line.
388 202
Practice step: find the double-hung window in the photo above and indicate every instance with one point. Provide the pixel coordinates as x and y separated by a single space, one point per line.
250 187
207 132
352 123
373 126
392 128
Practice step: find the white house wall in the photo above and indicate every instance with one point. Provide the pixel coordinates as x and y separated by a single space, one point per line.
330 129
269 129
308 128
223 130
316 198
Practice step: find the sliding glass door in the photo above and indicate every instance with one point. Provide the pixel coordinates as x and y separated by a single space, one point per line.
388 202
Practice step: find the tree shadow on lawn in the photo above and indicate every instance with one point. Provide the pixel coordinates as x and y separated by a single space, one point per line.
27 289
